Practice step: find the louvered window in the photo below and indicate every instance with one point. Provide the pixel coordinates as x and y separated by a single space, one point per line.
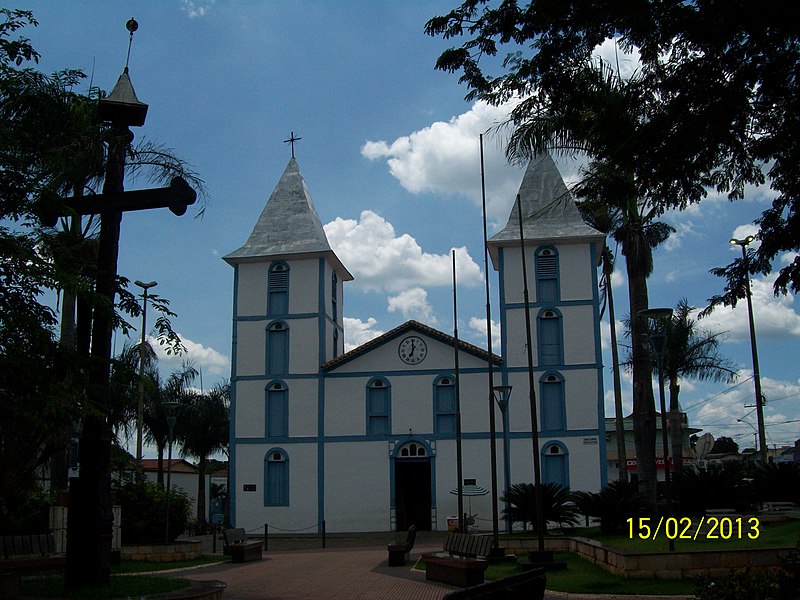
278 287
547 275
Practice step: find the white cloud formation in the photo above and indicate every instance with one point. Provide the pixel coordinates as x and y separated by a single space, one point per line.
627 63
196 8
204 357
444 158
413 304
775 317
382 261
478 326
357 332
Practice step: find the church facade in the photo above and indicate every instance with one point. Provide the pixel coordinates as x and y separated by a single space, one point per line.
365 440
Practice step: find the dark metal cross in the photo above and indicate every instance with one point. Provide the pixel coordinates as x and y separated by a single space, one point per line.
291 141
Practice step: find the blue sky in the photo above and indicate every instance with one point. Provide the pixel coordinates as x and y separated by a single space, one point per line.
389 151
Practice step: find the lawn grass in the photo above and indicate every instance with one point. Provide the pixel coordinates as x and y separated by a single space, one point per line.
118 587
143 566
784 534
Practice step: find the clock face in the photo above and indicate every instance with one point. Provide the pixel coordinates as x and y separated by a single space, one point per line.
412 350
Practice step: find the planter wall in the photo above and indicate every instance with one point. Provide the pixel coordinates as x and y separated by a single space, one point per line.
181 550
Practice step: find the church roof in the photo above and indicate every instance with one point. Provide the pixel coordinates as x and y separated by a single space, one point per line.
401 330
288 225
548 210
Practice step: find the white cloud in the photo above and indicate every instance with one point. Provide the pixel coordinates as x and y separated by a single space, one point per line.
203 357
413 304
444 158
627 63
357 332
775 317
478 326
382 261
196 8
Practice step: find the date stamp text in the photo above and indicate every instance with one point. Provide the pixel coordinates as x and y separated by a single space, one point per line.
686 528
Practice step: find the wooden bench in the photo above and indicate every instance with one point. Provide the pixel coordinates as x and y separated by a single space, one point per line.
463 561
528 585
238 548
28 552
778 506
399 551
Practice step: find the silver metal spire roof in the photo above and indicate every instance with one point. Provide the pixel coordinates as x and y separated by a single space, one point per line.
548 210
288 225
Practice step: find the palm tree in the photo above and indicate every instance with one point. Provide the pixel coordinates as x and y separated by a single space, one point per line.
556 500
606 118
174 389
203 429
690 352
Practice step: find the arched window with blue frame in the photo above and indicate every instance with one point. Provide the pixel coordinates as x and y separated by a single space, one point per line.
276 478
444 405
552 402
277 410
277 348
555 463
547 288
278 289
379 407
550 338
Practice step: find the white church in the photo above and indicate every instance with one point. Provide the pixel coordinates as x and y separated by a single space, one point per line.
366 440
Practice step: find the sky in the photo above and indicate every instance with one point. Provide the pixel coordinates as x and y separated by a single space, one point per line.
389 150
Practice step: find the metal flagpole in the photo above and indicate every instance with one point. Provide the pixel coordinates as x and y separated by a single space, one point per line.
459 466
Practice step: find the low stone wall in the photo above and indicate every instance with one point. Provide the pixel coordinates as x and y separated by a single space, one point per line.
664 565
181 550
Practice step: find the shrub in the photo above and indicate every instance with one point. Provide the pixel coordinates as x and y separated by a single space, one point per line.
776 482
143 510
613 505
556 499
696 491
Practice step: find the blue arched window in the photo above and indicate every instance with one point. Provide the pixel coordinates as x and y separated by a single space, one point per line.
547 275
276 478
278 289
277 410
555 463
553 406
379 407
549 338
277 348
444 405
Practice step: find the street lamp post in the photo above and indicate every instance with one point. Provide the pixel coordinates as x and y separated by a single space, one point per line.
171 410
755 431
762 436
502 394
140 404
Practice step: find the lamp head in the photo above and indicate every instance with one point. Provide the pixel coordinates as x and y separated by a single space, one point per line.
146 286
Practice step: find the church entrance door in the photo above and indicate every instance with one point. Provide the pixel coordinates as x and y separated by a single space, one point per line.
412 492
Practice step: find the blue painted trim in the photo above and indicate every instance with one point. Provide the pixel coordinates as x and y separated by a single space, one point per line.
598 350
557 278
232 413
564 450
285 424
562 407
284 376
288 477
407 373
521 305
287 316
435 387
475 435
267 333
285 289
539 318
367 392
321 331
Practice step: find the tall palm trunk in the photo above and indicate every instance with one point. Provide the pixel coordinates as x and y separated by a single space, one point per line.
637 261
675 425
619 417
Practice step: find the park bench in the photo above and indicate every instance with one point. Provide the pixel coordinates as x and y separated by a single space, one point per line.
528 585
399 551
778 506
28 552
463 561
238 548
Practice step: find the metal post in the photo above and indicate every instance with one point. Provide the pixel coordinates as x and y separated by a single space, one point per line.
266 537
140 404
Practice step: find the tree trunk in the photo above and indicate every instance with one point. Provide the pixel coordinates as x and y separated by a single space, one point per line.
644 411
675 425
619 417
201 493
160 471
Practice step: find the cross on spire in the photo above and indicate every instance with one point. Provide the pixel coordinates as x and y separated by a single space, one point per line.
291 141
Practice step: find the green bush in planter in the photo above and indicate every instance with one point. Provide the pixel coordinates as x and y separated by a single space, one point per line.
144 505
